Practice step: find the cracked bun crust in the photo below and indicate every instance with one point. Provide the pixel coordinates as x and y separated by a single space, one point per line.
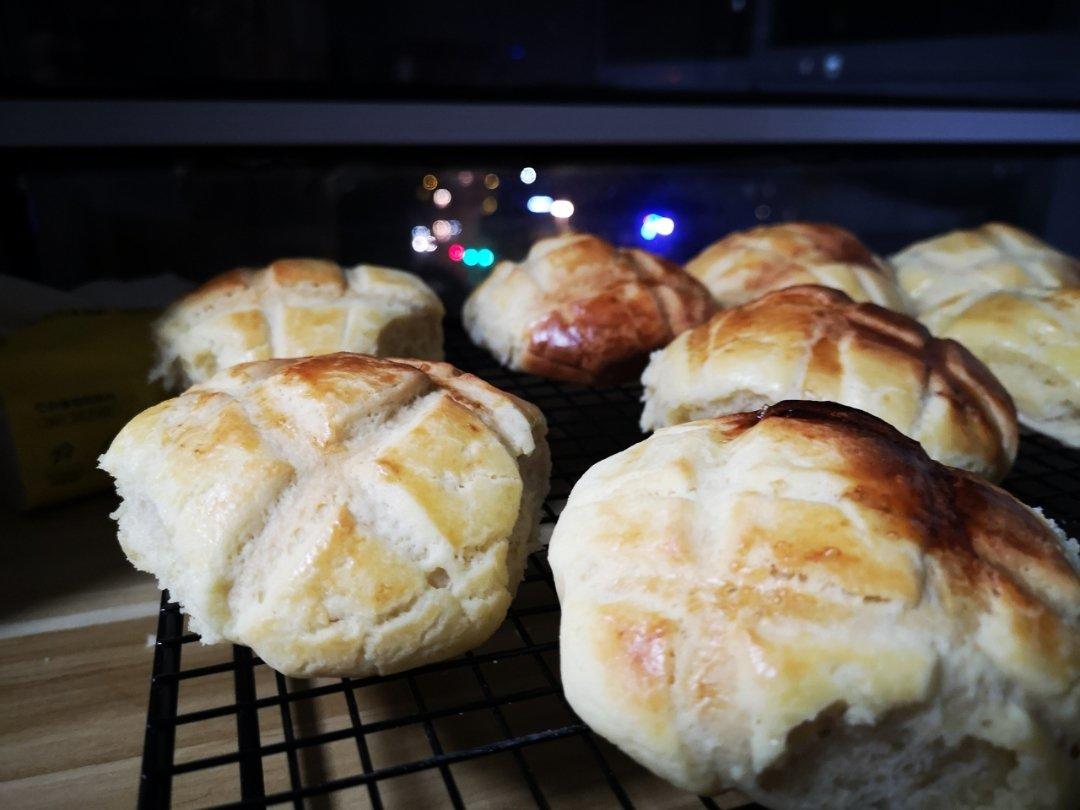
297 308
581 310
341 515
800 603
815 343
1030 339
746 264
983 260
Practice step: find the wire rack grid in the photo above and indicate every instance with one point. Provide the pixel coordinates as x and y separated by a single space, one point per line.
491 727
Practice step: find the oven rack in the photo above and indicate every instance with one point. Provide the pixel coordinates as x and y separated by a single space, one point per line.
490 728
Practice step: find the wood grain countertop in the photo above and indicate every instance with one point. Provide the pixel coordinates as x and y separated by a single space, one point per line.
75 620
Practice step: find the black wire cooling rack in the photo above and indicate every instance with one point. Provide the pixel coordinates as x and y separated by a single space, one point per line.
490 728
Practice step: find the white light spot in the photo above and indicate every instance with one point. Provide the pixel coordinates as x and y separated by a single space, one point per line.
423 244
562 209
442 230
539 204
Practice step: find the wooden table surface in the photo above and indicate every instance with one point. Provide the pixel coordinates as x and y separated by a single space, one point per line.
76 628
75 620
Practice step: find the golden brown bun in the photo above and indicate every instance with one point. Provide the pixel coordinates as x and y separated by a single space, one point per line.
983 260
342 514
294 308
746 264
815 343
1030 339
579 309
800 603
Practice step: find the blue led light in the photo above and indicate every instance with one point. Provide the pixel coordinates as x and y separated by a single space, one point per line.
654 225
485 258
471 257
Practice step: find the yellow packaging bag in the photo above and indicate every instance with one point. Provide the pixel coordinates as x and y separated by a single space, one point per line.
67 385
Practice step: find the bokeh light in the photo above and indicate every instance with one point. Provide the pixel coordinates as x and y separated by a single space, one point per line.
465 178
441 197
431 182
485 257
528 175
539 203
455 252
562 209
441 229
471 257
423 244
489 205
491 181
654 225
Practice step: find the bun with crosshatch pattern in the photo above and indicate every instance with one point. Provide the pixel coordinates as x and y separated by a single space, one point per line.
582 310
746 264
1030 339
297 308
816 343
800 603
973 263
341 515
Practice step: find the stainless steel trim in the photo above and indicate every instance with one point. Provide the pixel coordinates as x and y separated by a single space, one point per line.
302 123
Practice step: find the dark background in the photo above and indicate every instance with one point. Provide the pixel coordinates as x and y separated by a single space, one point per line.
988 51
68 216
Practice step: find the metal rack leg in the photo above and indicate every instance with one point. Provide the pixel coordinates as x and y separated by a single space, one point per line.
247 726
155 788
